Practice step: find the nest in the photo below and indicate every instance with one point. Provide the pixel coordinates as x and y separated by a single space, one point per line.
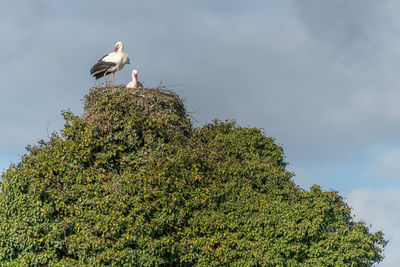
158 103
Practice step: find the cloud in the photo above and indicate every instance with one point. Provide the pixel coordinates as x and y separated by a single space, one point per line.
347 25
387 165
20 24
380 208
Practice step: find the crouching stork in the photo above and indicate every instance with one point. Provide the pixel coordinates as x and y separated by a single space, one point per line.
134 83
110 63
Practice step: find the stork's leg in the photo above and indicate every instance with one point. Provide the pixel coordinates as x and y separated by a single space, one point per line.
105 73
113 79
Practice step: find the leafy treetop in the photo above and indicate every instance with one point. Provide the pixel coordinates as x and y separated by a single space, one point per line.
132 182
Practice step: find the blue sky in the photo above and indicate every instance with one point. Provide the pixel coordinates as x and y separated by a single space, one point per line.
322 77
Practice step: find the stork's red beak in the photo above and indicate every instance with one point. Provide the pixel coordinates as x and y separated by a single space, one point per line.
116 48
135 76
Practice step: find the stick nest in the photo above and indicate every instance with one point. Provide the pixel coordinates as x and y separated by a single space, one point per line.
105 105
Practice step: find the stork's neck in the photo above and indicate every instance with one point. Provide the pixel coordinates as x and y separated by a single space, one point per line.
134 79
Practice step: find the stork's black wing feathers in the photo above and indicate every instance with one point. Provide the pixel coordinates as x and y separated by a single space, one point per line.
100 74
100 67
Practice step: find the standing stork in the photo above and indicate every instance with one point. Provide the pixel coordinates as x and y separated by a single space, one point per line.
110 63
134 83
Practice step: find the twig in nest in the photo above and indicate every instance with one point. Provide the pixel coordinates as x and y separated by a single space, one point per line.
159 85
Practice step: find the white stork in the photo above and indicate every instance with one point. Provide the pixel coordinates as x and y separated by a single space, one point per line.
134 83
110 63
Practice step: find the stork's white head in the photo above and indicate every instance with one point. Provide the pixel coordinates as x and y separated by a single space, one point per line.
134 74
118 47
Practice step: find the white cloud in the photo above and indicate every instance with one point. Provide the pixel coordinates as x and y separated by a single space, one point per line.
387 165
380 208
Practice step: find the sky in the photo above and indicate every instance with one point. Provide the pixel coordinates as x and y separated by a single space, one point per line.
321 77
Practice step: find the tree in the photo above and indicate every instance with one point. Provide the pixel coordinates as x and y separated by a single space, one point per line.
132 182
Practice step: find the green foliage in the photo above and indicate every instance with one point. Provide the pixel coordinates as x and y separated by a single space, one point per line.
131 182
